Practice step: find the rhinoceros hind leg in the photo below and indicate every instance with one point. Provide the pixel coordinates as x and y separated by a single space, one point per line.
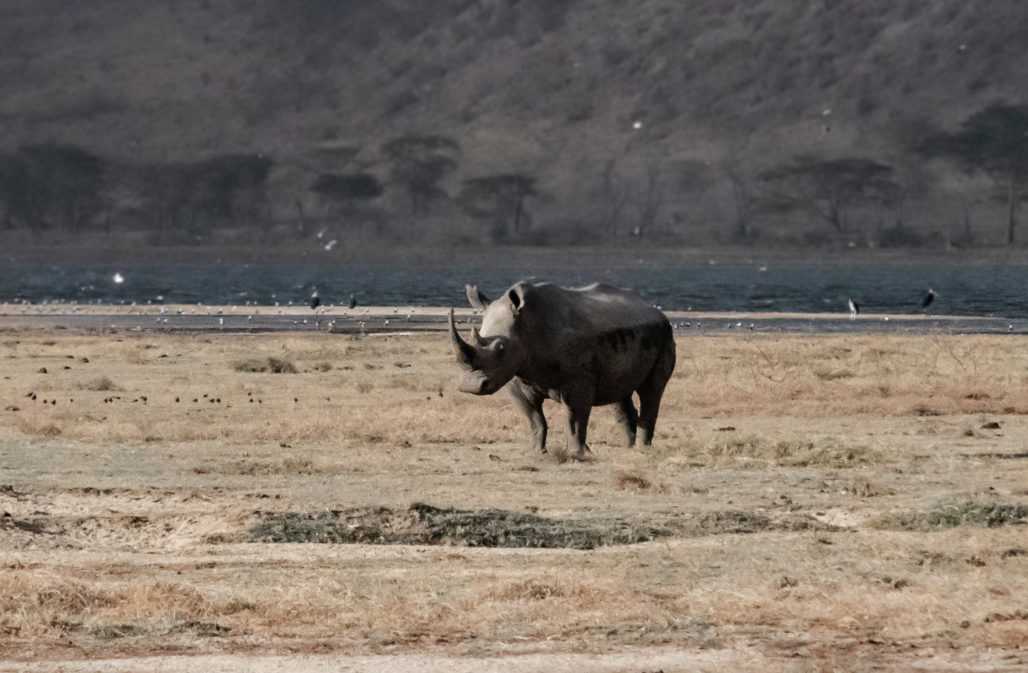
651 392
628 419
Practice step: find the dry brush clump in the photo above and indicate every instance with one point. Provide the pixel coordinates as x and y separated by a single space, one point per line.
953 514
428 525
272 365
101 384
631 480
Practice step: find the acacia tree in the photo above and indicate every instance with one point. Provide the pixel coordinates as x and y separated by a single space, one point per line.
993 141
348 188
499 197
192 199
829 188
419 163
49 184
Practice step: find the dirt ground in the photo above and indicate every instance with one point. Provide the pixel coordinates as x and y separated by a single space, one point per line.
323 502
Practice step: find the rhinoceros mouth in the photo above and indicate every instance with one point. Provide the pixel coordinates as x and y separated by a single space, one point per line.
477 383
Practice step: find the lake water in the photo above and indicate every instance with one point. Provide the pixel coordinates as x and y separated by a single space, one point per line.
975 289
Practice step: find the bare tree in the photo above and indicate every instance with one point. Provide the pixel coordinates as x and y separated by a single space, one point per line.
615 193
650 199
744 199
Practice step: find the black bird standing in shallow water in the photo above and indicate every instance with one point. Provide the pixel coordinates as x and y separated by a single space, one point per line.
315 301
353 301
928 298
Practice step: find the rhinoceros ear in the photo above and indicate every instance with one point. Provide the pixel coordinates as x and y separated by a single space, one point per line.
475 297
516 296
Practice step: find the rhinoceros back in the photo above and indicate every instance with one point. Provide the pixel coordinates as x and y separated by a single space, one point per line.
612 334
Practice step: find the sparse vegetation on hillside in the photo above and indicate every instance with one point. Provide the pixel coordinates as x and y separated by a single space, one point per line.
360 117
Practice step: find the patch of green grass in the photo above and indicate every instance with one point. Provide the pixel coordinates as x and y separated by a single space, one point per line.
967 513
427 525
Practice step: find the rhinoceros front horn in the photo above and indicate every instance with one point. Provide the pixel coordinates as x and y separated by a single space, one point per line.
465 351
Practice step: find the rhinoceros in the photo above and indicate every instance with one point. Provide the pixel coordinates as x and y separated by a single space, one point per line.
583 347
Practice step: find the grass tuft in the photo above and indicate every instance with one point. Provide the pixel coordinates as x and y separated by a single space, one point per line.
271 365
100 384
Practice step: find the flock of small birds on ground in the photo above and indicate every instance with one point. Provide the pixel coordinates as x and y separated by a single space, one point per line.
144 400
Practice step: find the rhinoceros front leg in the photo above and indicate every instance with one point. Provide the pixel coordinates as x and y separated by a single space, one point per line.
578 406
530 403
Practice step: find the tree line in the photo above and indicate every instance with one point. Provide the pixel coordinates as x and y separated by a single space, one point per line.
51 186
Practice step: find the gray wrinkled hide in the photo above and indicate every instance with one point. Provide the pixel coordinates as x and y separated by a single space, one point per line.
582 347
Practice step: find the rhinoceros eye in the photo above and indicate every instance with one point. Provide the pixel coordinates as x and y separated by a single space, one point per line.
499 347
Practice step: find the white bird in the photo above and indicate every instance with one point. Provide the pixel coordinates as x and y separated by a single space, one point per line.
118 278
854 308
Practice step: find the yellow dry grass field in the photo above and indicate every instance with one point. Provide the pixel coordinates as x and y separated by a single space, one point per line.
844 501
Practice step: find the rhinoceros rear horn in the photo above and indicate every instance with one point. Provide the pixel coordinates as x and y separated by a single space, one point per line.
465 352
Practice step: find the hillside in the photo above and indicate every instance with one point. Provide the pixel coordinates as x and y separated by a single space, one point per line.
591 98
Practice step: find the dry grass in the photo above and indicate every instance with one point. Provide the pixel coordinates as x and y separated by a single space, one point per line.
717 376
794 487
623 480
39 604
759 452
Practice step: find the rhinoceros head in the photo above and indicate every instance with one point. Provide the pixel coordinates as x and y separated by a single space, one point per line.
494 355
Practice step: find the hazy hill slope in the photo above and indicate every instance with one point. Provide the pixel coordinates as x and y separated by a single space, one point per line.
548 86
268 74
